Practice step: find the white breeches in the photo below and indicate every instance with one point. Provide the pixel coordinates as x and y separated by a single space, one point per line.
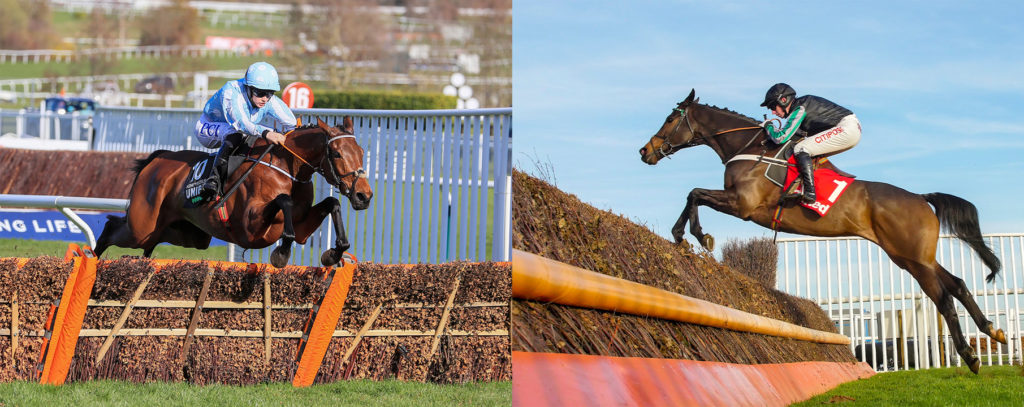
211 134
845 135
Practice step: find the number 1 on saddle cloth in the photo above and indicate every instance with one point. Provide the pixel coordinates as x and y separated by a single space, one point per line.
829 186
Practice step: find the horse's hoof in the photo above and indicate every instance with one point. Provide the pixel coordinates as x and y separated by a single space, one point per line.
999 336
975 366
278 258
330 257
708 242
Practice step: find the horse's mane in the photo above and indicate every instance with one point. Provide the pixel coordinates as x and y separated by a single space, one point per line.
307 126
734 114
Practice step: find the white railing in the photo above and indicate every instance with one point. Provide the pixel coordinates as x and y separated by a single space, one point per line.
441 179
893 325
46 125
116 53
79 84
88 86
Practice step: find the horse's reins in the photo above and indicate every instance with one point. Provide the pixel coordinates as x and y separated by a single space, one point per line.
359 172
703 140
220 202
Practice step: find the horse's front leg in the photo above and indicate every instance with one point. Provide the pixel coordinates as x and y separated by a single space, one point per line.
312 221
279 258
724 201
679 229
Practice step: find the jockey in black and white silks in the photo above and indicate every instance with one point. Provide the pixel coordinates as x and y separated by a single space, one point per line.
832 128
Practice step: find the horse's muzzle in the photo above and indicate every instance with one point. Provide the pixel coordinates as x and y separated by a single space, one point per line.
650 159
360 200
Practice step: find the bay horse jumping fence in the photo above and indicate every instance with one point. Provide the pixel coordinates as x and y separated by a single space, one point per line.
441 179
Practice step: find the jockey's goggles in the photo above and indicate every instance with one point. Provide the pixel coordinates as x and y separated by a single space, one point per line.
262 93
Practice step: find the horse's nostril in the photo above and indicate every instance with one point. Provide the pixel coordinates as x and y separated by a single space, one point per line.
362 197
643 151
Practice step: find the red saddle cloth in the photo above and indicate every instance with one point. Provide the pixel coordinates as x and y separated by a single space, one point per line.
828 186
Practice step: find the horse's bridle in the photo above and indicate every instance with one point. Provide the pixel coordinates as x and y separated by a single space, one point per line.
335 178
673 148
702 140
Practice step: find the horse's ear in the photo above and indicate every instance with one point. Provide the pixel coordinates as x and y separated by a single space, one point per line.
320 123
689 99
347 124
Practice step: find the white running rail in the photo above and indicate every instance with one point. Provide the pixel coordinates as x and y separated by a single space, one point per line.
893 325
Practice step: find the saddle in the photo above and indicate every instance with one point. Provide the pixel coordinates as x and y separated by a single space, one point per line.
776 173
201 169
829 181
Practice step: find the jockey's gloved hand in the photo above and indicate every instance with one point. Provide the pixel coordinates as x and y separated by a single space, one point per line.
274 137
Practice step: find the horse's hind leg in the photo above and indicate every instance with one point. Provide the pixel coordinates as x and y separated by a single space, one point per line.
181 233
948 311
931 282
115 233
956 286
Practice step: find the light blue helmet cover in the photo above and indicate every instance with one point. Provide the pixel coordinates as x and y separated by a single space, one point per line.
262 75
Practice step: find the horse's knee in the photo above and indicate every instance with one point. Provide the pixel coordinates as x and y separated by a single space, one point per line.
283 201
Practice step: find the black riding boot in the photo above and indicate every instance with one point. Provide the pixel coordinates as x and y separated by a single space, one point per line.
804 164
211 188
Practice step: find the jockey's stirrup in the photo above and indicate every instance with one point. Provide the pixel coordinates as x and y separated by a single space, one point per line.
804 165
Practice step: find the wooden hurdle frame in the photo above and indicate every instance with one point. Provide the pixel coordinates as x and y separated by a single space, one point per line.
63 326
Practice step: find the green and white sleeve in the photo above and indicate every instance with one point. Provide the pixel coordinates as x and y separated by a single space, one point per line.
789 129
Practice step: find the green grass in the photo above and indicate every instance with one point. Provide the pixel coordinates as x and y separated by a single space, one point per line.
993 386
71 25
346 393
36 248
75 24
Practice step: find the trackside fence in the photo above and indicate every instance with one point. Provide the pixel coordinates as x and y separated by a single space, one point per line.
441 179
892 323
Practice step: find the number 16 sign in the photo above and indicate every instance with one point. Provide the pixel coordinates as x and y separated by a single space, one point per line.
298 95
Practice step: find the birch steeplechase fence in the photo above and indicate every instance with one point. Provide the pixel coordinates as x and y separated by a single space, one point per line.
571 379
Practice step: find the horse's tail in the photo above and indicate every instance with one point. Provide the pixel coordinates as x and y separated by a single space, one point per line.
960 217
143 162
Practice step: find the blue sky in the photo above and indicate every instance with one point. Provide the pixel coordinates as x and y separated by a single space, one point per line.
938 88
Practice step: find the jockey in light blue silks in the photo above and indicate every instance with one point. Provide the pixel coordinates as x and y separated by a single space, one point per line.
237 109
